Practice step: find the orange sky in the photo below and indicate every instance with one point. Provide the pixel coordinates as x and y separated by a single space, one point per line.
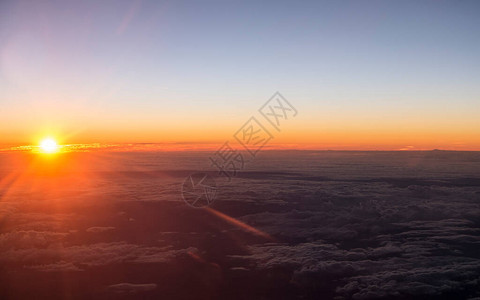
365 80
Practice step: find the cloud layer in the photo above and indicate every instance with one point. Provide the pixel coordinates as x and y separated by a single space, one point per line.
331 225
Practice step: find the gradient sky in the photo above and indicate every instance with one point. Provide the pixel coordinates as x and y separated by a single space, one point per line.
362 74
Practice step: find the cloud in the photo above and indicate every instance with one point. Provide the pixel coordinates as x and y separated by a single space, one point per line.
131 288
367 273
371 238
360 228
97 254
29 239
165 256
100 229
61 266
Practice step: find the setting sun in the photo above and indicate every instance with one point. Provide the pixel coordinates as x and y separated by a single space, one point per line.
49 145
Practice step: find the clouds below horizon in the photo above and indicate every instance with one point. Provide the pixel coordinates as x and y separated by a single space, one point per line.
344 225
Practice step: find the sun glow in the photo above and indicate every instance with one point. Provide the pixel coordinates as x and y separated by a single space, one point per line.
49 145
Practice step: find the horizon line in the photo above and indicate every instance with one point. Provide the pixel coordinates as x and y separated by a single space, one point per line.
208 147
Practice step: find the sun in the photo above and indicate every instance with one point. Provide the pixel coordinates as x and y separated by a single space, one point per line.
49 145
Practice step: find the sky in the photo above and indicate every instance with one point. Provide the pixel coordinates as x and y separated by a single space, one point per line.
377 75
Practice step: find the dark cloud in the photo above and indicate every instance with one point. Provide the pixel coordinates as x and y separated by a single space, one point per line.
60 266
90 255
130 288
98 229
334 226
